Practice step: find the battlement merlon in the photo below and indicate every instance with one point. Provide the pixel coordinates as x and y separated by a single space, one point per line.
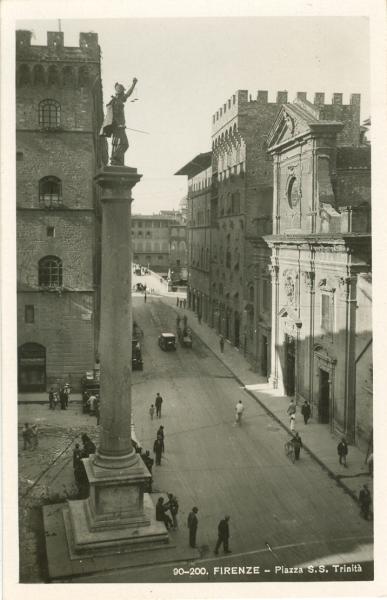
88 48
241 106
241 103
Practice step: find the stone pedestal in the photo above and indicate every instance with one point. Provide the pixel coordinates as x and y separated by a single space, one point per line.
117 516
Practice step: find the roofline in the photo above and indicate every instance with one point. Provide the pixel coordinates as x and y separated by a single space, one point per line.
193 167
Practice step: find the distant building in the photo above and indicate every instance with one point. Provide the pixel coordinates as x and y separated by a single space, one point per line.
159 242
58 117
321 262
199 173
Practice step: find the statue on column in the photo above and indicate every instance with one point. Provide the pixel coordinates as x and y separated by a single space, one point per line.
114 123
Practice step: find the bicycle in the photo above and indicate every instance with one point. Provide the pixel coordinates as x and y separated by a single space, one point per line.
289 451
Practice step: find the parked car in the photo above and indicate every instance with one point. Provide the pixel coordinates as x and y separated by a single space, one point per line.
90 387
167 341
137 362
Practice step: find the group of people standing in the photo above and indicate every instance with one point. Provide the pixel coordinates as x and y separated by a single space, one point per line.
171 507
61 397
223 531
181 303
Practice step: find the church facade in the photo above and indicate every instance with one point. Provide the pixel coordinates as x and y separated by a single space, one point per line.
321 344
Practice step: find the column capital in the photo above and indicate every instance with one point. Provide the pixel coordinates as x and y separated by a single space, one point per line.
120 179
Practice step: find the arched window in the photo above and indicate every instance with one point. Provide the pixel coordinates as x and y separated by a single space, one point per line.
50 271
39 75
50 191
24 75
49 114
53 75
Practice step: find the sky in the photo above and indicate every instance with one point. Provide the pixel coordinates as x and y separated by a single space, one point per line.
188 67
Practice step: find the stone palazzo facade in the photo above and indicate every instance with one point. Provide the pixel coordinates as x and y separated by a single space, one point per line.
321 346
59 112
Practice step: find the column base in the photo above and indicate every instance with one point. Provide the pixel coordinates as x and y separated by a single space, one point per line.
86 541
117 514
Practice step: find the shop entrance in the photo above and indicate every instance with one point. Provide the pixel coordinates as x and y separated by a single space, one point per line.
290 369
324 397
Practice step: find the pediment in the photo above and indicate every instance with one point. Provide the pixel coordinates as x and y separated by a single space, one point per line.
288 125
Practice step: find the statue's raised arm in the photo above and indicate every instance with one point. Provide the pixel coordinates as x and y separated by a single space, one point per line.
114 123
131 89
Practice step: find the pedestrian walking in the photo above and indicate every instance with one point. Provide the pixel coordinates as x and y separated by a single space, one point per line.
177 301
160 434
306 411
297 445
67 392
91 403
365 502
161 514
145 297
200 317
184 303
181 303
239 412
27 437
56 399
34 437
223 535
192 523
51 398
158 403
151 411
292 422
62 398
342 451
173 506
185 321
158 450
221 343
292 407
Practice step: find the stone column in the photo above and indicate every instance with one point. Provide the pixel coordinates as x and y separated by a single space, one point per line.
117 513
273 379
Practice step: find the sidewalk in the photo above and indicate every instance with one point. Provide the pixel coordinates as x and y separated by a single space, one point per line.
317 439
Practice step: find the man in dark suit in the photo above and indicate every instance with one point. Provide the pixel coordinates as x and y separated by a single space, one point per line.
192 524
223 535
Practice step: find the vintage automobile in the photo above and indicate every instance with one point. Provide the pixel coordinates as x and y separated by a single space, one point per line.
185 337
137 362
167 341
90 387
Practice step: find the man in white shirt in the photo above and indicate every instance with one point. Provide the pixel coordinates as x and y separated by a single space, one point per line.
239 411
